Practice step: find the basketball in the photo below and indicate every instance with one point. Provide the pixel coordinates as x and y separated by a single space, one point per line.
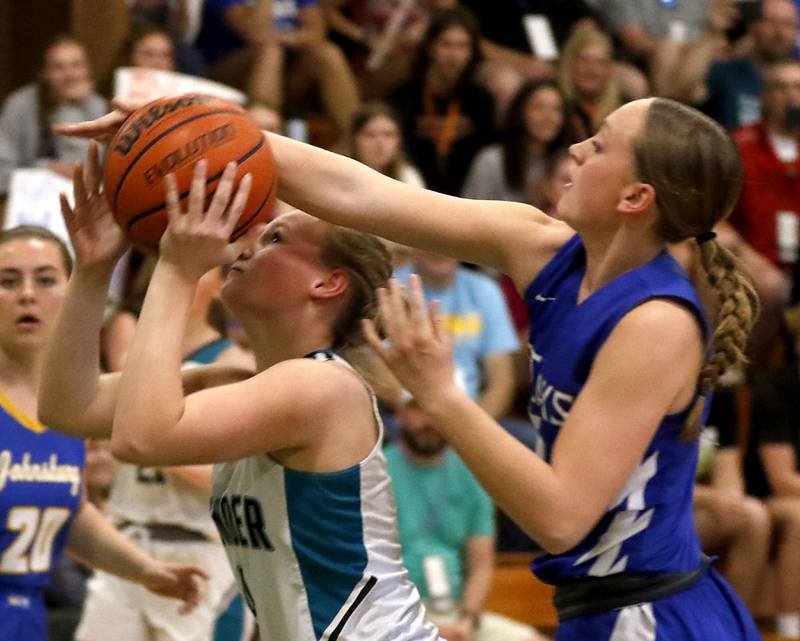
170 135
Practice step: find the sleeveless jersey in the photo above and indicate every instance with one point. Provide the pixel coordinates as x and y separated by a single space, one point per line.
316 555
146 495
649 527
40 493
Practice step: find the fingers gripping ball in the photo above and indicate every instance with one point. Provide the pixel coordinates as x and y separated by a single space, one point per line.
170 135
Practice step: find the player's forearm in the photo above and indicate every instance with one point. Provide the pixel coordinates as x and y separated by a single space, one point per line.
345 192
197 475
71 372
511 473
150 400
94 541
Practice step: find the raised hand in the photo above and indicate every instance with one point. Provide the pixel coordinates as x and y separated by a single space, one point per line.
96 237
101 129
197 239
184 582
419 351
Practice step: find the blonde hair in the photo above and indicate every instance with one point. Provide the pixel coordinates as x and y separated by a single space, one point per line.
696 171
367 261
610 98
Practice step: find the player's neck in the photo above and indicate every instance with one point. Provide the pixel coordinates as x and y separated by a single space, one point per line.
609 258
20 370
284 339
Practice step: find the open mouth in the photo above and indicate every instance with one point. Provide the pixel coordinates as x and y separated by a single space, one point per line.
28 321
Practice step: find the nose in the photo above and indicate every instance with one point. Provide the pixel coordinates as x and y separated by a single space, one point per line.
27 290
576 151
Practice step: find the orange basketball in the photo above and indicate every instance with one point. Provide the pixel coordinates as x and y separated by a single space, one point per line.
170 135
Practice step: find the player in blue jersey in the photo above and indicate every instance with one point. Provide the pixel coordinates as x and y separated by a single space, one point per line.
301 496
43 510
622 352
622 355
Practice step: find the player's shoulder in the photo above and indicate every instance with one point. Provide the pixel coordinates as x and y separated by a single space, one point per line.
322 379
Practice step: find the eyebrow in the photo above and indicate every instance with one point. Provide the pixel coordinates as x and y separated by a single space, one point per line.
17 270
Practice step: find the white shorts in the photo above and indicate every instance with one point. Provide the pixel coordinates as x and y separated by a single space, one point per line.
124 611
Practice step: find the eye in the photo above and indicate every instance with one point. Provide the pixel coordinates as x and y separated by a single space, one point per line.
46 281
596 146
276 237
8 282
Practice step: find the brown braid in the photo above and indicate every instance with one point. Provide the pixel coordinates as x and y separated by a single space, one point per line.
738 309
696 171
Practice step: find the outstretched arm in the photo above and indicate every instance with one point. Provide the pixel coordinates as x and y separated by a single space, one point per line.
516 239
600 445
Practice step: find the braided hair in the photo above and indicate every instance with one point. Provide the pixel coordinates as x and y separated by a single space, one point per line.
696 172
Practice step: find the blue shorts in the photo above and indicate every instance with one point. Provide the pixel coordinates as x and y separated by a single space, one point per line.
708 611
22 615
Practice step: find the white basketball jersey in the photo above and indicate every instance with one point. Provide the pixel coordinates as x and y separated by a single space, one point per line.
316 555
148 495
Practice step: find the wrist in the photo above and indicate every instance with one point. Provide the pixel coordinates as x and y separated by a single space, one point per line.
177 271
471 617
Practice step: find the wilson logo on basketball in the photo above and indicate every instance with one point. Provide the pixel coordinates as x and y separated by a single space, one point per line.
135 129
189 152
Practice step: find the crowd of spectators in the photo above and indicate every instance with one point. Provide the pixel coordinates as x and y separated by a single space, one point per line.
482 99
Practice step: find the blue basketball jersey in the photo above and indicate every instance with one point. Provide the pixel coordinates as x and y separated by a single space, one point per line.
40 492
649 527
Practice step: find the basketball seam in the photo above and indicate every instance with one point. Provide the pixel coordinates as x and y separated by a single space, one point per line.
138 156
209 180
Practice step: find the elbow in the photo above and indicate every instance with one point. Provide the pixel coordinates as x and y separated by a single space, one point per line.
130 450
560 537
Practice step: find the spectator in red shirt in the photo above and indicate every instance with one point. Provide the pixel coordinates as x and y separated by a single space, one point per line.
766 223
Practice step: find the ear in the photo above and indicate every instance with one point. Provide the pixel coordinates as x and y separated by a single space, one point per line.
636 198
331 284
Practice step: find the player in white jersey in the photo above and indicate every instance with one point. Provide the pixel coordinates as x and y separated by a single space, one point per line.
165 510
301 494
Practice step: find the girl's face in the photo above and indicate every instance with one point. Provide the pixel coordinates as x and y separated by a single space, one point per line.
154 51
377 142
604 168
451 52
283 267
33 282
67 74
544 115
591 70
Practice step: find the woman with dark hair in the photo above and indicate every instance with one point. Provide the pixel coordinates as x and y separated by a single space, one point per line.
376 140
63 93
151 48
446 116
534 131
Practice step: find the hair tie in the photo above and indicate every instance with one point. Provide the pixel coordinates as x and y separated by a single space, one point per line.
705 237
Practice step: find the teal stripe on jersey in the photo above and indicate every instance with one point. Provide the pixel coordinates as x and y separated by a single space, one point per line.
326 528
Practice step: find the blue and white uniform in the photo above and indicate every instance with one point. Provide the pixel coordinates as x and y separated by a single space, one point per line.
40 494
316 555
649 528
